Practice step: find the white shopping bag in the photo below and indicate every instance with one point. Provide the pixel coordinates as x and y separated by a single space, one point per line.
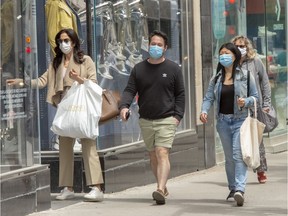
79 111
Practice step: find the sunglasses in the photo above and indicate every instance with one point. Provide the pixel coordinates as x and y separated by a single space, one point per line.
241 46
66 40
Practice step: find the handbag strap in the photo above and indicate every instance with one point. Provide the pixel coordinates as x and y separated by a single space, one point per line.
255 108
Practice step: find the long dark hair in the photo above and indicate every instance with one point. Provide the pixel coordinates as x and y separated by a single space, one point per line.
230 46
78 54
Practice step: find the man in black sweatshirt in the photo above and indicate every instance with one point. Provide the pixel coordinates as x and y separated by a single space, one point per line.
159 85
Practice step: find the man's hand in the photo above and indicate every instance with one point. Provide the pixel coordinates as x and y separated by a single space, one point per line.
123 113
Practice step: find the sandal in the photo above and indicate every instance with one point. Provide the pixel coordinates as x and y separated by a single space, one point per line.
159 197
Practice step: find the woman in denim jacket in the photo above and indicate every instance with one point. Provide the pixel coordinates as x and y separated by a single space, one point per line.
229 89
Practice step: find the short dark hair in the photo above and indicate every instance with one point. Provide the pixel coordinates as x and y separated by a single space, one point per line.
160 34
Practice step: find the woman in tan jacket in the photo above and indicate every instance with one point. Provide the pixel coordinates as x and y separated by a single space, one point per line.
69 65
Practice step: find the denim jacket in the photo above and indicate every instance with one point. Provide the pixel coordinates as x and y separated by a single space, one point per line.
240 90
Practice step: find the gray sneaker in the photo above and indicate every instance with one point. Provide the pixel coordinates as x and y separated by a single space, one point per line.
94 195
65 194
239 198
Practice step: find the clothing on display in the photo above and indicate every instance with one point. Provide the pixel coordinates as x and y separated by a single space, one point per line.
7 30
58 16
123 27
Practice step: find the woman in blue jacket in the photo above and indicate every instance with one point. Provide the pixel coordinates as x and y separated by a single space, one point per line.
232 89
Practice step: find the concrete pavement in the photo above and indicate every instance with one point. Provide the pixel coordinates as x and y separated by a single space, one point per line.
200 193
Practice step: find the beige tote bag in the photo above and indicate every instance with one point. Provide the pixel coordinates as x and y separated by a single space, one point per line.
251 134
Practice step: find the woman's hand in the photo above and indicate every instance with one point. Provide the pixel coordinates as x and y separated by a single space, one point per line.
241 102
266 109
204 118
17 81
74 75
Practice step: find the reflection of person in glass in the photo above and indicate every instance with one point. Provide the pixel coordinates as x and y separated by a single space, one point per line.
159 84
69 65
228 88
251 62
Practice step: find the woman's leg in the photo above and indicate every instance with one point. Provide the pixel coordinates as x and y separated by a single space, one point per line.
66 161
263 162
92 166
225 133
240 166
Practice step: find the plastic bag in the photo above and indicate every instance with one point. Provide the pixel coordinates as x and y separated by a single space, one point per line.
79 111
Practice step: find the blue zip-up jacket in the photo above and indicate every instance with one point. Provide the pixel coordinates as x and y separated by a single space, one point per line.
240 90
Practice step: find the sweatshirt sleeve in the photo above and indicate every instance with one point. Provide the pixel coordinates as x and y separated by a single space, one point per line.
179 96
129 92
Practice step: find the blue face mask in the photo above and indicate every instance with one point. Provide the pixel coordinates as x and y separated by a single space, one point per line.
155 52
226 60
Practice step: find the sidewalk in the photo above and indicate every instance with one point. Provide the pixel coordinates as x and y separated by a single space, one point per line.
200 193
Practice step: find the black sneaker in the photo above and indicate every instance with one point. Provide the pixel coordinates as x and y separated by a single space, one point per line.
230 195
239 198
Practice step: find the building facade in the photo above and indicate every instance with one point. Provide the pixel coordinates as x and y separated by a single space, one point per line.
115 34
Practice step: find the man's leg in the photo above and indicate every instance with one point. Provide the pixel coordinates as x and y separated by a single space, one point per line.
153 164
163 166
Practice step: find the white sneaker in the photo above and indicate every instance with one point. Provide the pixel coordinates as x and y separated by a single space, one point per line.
103 70
116 50
65 194
239 198
120 68
130 48
94 195
145 44
133 60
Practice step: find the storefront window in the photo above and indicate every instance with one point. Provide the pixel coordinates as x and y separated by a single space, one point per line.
274 46
264 22
121 30
19 105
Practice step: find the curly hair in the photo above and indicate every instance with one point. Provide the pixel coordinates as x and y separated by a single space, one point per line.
251 53
78 54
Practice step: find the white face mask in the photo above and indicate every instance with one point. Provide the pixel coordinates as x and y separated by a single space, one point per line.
65 47
243 51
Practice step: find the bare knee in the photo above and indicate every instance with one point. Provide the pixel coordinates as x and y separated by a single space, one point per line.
162 153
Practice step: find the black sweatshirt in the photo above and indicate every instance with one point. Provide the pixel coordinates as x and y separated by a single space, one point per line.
160 89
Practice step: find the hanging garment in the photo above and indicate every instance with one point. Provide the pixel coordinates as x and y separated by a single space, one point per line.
58 16
79 28
7 30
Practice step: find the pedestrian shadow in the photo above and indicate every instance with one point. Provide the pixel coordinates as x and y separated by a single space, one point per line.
221 184
58 204
220 207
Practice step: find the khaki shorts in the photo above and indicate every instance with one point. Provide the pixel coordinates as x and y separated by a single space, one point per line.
158 133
